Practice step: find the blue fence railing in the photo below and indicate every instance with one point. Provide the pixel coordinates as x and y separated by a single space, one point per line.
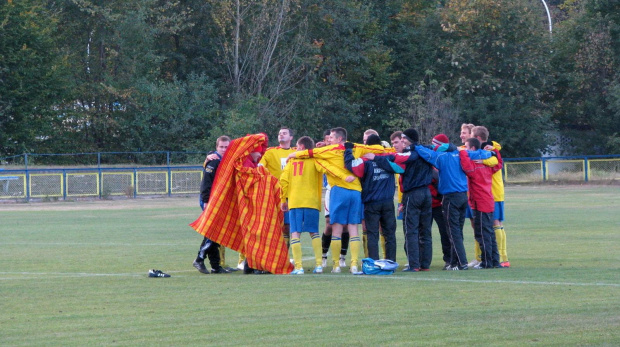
569 168
98 159
24 180
52 183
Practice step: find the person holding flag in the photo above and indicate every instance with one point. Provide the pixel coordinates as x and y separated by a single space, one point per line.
243 214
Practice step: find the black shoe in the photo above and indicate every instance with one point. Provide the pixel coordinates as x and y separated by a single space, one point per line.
259 272
231 269
220 271
247 269
200 266
157 273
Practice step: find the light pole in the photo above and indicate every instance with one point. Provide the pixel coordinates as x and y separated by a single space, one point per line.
548 17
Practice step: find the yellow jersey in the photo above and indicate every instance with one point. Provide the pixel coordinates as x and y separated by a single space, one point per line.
497 181
302 184
331 161
274 159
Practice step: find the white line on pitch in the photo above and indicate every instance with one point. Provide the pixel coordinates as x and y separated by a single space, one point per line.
408 278
39 275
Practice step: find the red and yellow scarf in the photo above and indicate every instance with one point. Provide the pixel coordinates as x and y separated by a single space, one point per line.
243 211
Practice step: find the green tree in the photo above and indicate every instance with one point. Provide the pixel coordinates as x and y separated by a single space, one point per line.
498 63
350 71
30 76
174 116
587 75
412 31
115 49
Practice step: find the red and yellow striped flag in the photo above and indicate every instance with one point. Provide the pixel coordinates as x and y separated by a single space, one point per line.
243 211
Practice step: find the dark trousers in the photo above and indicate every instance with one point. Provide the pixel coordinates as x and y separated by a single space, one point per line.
381 214
454 205
417 219
443 232
485 235
209 249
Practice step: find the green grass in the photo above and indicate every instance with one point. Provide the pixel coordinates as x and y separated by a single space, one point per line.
74 274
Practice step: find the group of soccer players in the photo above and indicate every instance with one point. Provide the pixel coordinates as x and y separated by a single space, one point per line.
437 181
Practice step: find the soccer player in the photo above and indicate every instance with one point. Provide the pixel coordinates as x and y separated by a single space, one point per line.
274 161
482 204
378 186
345 199
301 183
497 187
326 238
209 248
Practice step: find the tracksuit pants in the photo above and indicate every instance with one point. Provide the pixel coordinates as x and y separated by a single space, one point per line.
454 205
443 233
209 249
381 213
417 219
485 235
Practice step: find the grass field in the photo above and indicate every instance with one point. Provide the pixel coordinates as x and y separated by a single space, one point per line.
75 274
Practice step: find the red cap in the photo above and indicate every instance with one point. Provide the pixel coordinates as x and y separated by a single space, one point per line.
439 140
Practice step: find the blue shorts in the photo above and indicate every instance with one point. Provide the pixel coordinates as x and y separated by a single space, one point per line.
468 213
498 214
304 220
286 218
345 206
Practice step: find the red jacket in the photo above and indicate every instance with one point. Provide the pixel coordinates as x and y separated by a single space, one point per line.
436 197
479 183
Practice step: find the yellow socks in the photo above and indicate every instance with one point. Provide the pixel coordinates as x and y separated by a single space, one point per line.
477 251
500 236
318 248
355 245
365 241
296 248
222 256
335 247
382 240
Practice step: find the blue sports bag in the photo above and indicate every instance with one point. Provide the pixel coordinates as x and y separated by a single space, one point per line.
378 267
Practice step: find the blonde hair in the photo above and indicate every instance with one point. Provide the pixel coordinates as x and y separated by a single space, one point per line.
371 132
467 126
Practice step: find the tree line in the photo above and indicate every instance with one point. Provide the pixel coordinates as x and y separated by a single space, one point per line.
151 75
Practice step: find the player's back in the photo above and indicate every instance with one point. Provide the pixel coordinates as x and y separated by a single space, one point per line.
302 183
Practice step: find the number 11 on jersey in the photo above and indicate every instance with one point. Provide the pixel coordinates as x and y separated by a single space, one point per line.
298 168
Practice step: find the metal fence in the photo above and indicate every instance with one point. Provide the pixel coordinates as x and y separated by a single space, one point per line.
105 182
102 159
582 168
101 182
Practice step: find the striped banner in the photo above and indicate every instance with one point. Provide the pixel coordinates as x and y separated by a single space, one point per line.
243 212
